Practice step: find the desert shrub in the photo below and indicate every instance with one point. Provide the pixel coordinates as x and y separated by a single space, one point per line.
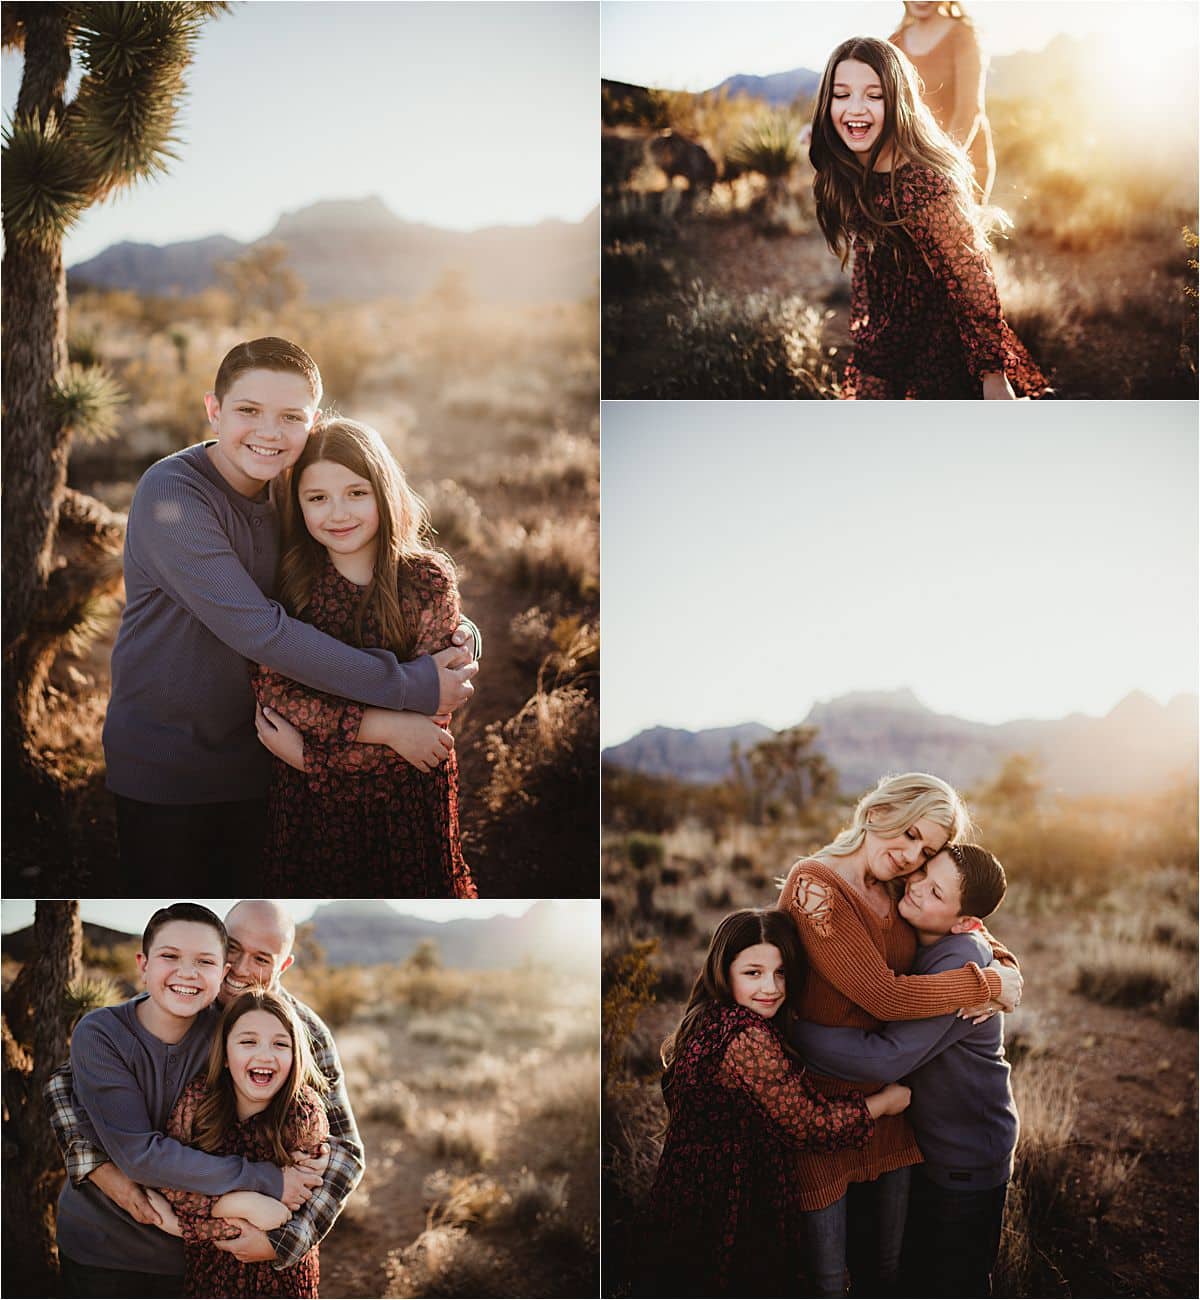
628 978
1039 1194
469 1136
543 761
633 264
454 1200
727 346
394 1103
1125 973
445 1261
455 514
462 1027
336 994
644 215
644 850
555 555
534 1198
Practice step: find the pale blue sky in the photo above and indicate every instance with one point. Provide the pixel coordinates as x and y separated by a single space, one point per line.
695 44
457 114
1002 561
131 914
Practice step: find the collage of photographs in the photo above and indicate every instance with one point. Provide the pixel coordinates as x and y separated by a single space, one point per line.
833 932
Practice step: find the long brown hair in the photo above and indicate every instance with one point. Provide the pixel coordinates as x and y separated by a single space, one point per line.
738 931
403 529
842 182
217 1112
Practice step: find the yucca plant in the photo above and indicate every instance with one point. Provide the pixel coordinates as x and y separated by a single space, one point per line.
59 157
770 145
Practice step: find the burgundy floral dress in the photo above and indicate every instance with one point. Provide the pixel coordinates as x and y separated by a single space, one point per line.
359 817
212 1272
925 319
723 1217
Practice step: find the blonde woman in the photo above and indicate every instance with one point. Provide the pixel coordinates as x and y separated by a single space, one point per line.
943 46
859 950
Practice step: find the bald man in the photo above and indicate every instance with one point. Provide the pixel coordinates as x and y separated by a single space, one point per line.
261 935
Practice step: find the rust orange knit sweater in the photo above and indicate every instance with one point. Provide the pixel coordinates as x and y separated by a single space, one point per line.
857 978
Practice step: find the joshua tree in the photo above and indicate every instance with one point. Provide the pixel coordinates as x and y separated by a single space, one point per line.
37 1024
59 158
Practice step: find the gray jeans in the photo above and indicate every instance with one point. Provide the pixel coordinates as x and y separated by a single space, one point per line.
873 1215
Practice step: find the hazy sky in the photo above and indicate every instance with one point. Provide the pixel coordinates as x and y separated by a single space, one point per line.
457 114
1002 561
131 914
697 44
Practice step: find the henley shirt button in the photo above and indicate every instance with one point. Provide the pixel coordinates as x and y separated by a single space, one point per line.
258 523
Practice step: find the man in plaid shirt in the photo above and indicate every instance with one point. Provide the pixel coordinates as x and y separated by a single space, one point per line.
260 950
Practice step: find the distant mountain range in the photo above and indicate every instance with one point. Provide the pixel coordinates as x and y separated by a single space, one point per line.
1024 72
358 250
1138 746
364 932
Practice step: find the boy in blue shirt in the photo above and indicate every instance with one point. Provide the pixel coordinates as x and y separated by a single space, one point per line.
962 1109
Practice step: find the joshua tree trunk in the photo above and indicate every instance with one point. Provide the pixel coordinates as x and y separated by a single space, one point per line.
36 1037
35 443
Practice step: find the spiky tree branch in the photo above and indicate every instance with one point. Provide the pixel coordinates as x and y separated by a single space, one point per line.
59 158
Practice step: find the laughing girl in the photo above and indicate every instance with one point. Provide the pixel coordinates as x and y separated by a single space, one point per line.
357 565
258 1098
891 186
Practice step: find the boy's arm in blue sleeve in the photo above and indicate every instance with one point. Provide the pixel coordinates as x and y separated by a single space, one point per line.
116 1108
889 1053
177 537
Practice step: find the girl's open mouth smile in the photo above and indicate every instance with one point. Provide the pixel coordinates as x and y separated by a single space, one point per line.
260 1078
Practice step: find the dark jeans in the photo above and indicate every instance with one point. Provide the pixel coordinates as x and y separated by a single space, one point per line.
116 1283
219 845
952 1239
864 1228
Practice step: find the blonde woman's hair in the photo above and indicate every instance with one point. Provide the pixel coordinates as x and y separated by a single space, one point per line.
895 804
842 184
947 8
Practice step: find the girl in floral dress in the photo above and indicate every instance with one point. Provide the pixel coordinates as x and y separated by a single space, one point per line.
723 1209
258 1098
375 819
891 186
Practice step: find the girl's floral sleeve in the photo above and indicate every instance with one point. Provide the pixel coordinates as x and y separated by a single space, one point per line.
433 590
329 723
193 1209
962 266
756 1062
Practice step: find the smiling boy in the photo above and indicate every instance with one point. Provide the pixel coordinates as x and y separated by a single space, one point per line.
962 1108
184 762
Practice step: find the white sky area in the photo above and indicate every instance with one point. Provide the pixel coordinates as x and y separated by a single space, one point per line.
131 914
695 44
1001 561
460 115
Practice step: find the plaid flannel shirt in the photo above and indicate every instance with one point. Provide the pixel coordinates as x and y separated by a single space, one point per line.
315 1217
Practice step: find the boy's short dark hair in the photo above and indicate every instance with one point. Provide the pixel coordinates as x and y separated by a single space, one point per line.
183 912
981 878
267 354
